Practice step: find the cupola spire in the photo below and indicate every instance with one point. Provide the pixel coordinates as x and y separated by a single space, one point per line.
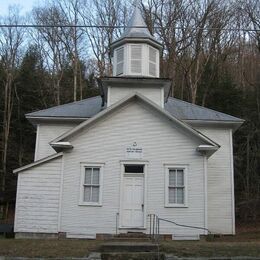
136 52
136 26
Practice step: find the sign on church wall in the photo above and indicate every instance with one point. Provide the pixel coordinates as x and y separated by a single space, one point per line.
134 152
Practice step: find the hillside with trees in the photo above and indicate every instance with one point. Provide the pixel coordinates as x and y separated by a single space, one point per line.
211 51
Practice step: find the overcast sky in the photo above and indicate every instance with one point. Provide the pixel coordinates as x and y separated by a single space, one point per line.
26 5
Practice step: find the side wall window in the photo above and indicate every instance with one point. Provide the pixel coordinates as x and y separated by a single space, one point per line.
91 185
175 186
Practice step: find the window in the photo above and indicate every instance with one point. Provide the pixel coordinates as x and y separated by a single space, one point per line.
176 190
132 168
119 61
91 185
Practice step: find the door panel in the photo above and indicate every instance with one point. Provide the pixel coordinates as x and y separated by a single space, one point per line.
133 199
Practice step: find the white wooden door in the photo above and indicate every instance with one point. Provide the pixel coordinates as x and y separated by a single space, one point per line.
133 202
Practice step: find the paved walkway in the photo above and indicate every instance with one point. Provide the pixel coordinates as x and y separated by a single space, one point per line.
97 256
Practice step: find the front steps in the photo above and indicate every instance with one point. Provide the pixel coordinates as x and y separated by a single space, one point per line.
134 246
122 250
127 246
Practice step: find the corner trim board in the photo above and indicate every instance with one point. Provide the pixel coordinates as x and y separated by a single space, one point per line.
232 182
60 197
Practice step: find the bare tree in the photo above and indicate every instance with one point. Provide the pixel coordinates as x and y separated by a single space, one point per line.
72 39
11 40
110 13
166 16
49 40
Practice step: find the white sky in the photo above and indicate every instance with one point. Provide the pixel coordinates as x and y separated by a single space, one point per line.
26 5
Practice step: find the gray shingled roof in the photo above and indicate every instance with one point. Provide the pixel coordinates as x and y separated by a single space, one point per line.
91 106
81 109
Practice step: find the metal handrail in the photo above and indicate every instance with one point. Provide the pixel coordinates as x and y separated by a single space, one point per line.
155 226
186 226
117 222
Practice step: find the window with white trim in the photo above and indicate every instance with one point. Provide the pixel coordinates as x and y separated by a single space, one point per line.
91 185
176 187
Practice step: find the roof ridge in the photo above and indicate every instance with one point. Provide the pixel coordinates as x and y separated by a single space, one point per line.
66 104
205 108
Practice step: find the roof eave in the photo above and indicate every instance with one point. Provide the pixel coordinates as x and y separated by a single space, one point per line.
207 150
60 146
38 162
146 39
37 119
234 125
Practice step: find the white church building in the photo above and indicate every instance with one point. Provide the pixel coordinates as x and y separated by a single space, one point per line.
103 165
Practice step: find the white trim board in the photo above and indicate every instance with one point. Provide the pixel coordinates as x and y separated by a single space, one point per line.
45 159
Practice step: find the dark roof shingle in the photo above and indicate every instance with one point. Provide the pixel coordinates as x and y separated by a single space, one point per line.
91 106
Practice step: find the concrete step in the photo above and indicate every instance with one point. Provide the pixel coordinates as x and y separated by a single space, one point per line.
132 256
126 239
126 246
132 235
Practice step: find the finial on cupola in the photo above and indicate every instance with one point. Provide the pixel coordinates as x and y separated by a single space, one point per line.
136 52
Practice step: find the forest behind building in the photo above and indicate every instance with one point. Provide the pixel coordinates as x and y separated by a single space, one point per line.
211 52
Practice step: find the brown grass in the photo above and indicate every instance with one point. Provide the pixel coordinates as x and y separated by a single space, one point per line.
47 248
243 244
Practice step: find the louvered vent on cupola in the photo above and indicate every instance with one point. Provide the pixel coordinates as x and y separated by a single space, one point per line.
152 62
136 59
119 61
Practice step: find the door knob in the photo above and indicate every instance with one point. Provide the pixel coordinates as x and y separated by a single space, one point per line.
142 207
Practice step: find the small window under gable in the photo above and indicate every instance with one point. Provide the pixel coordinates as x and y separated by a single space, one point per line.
176 186
120 61
152 61
136 59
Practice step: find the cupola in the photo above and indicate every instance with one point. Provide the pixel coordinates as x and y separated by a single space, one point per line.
136 52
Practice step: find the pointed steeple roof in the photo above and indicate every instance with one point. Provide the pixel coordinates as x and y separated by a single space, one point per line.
136 31
136 26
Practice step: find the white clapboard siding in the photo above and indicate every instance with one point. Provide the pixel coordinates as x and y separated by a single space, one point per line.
38 198
118 93
220 188
106 142
46 133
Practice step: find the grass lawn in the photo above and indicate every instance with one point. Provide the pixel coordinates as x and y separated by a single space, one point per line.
47 248
244 244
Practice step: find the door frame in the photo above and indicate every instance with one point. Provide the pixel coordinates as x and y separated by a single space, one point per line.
122 174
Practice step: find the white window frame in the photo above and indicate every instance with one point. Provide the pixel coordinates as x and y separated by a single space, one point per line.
83 166
169 167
